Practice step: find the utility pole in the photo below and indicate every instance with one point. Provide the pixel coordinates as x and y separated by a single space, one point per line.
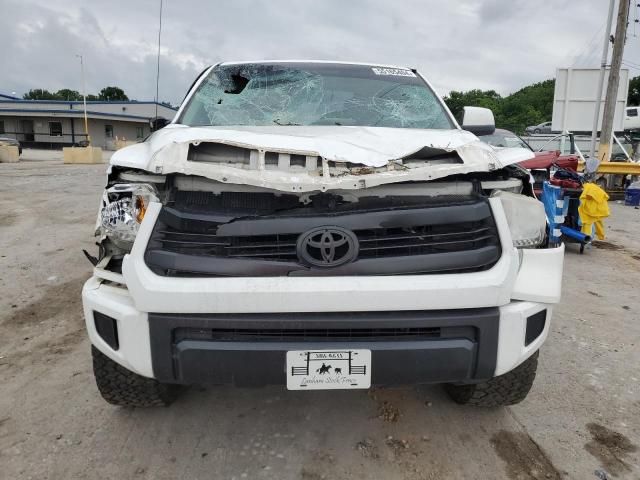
606 134
84 100
603 71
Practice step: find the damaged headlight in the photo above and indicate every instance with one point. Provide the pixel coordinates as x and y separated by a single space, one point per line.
526 218
127 204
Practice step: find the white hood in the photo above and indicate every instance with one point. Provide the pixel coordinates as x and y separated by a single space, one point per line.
376 147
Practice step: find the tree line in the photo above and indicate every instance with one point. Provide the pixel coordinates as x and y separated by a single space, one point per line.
530 105
106 94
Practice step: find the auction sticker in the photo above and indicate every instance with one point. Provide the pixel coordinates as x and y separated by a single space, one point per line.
396 72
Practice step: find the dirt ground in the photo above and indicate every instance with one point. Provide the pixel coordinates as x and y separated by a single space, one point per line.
581 420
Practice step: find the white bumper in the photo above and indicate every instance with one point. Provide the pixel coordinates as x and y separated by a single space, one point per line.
520 284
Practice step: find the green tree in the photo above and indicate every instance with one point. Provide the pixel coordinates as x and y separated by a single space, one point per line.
66 94
530 105
456 101
39 94
112 93
106 94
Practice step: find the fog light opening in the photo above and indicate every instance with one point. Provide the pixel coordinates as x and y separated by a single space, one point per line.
107 328
535 326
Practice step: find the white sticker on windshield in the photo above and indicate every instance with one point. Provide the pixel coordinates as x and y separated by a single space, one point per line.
398 72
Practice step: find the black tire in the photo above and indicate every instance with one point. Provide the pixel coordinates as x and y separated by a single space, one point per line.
124 388
537 131
507 389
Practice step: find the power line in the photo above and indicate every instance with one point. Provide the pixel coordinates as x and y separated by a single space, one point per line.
588 49
632 67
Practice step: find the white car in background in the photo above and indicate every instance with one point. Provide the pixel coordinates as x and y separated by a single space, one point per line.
632 119
539 129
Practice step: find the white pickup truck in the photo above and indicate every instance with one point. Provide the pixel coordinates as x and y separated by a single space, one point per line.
631 119
319 225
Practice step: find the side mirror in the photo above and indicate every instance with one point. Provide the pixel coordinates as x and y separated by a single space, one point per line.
156 123
479 121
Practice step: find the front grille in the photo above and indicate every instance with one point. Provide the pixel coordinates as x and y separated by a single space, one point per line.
374 243
306 334
456 238
272 247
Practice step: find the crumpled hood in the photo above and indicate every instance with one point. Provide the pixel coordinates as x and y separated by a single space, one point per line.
166 152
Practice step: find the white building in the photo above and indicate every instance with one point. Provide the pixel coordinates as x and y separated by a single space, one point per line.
58 123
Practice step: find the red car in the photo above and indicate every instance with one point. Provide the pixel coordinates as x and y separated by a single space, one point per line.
540 166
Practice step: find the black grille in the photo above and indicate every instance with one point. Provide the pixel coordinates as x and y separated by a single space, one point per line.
272 247
374 243
424 239
457 238
313 334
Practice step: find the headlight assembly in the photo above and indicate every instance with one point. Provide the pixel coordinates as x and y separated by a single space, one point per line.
127 204
526 218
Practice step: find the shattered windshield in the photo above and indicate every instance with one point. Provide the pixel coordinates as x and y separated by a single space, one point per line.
314 94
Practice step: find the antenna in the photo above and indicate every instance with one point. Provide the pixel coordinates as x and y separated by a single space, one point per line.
158 66
84 100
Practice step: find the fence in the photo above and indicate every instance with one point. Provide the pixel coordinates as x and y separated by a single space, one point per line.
35 139
583 142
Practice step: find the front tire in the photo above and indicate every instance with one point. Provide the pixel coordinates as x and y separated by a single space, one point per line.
122 387
537 131
507 389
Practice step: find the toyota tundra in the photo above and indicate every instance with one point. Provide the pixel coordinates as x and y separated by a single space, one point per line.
319 225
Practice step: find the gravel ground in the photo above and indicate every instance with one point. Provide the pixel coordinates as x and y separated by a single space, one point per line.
581 420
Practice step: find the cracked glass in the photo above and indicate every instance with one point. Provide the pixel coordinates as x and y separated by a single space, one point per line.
314 94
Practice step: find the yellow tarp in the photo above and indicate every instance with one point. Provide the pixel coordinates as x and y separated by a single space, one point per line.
594 207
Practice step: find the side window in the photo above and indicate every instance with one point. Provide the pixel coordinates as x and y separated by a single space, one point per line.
108 131
55 129
632 112
2 126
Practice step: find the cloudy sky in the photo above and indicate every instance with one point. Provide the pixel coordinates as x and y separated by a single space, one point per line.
461 44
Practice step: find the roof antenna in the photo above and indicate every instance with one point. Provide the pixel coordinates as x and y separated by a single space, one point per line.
158 69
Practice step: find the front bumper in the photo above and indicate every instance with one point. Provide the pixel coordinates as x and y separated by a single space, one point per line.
147 345
250 349
517 287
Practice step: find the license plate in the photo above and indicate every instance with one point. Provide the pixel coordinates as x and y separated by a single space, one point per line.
328 369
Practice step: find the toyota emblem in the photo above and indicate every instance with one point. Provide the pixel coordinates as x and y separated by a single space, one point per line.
327 247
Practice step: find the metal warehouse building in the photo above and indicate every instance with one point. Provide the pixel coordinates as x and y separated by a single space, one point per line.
58 123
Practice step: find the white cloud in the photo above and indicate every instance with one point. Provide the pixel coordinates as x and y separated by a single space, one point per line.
490 44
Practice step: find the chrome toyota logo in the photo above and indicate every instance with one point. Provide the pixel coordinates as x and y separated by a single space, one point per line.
327 247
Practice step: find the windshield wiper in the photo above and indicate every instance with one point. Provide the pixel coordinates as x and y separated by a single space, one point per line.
289 124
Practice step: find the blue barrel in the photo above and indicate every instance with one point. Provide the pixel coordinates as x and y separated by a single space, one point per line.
632 197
